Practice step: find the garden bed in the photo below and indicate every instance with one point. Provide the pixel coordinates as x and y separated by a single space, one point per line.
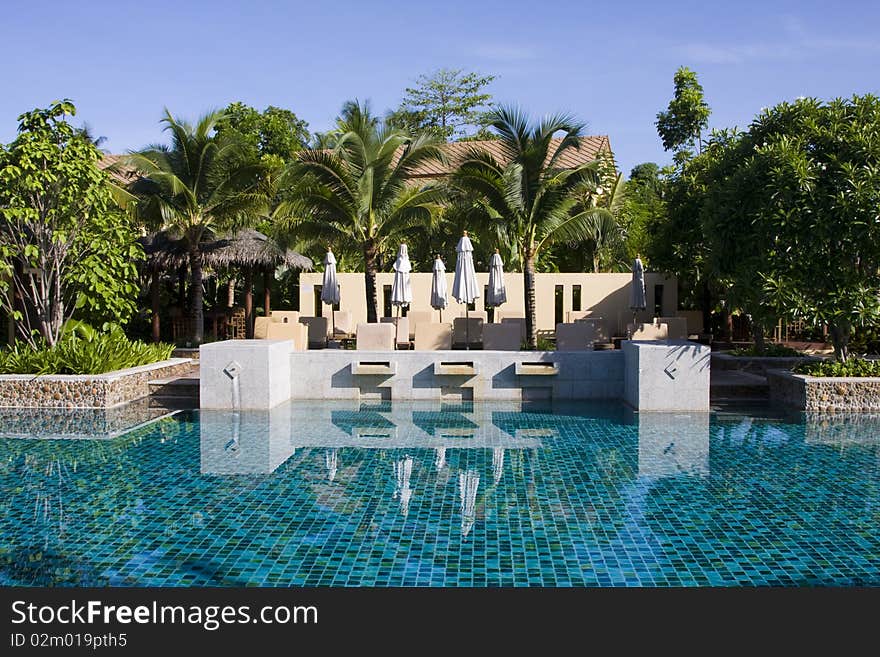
758 364
86 390
824 393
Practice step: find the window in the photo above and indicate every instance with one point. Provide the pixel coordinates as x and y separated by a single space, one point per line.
386 301
318 309
490 311
658 300
576 297
559 305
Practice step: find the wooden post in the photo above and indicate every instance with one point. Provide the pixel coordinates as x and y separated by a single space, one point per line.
267 292
154 304
249 302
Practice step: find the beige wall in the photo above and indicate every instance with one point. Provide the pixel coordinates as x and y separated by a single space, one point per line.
606 294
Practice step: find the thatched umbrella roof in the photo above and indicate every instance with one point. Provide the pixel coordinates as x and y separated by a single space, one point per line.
163 251
251 248
246 248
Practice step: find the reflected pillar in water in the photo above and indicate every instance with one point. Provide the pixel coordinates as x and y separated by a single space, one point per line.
246 442
673 443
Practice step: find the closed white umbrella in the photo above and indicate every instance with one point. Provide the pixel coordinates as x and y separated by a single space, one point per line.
330 286
468 483
464 286
331 460
497 463
401 287
439 293
637 298
497 293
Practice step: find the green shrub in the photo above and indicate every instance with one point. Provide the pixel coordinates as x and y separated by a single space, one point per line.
852 367
771 349
83 350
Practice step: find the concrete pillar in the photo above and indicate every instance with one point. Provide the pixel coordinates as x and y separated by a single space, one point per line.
259 369
666 376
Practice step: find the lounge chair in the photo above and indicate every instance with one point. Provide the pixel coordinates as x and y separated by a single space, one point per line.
502 337
467 331
574 315
317 331
625 318
476 314
285 316
600 328
676 327
375 337
647 331
694 319
401 331
517 321
342 323
433 337
577 336
297 332
416 317
261 327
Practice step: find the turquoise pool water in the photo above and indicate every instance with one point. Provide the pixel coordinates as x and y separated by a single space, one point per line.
447 495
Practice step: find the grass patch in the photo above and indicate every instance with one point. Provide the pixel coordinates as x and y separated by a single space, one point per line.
852 367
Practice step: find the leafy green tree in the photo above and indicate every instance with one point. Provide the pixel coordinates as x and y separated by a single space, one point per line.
446 102
683 122
358 196
643 205
201 183
532 200
275 134
803 189
65 248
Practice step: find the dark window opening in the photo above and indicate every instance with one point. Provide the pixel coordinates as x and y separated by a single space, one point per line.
576 297
658 300
318 289
559 306
490 310
386 301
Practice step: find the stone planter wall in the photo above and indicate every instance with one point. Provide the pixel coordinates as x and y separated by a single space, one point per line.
86 390
815 393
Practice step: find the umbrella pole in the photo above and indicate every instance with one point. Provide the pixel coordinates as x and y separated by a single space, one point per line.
467 328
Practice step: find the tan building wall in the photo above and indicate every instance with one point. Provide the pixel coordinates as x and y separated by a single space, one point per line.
607 295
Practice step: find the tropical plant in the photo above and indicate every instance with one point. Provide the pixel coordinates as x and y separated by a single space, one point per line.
530 198
82 349
446 103
359 196
851 367
65 248
202 182
275 134
686 116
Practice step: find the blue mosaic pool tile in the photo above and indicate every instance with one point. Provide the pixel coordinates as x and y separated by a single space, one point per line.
582 496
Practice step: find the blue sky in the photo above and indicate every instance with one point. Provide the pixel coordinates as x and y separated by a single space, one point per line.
611 64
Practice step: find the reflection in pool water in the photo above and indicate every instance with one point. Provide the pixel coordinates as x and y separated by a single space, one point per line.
438 495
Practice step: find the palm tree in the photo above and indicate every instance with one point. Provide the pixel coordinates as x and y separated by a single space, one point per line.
357 196
531 199
201 184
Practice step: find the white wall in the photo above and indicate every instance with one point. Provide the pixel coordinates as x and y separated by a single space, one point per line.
606 294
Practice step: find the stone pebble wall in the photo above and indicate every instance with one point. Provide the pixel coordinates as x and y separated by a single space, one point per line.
824 393
99 391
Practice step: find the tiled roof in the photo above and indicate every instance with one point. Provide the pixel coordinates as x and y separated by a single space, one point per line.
590 147
120 177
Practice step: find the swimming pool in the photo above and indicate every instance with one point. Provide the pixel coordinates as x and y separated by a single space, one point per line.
447 495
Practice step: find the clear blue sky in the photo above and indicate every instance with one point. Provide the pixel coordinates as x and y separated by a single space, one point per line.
609 63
